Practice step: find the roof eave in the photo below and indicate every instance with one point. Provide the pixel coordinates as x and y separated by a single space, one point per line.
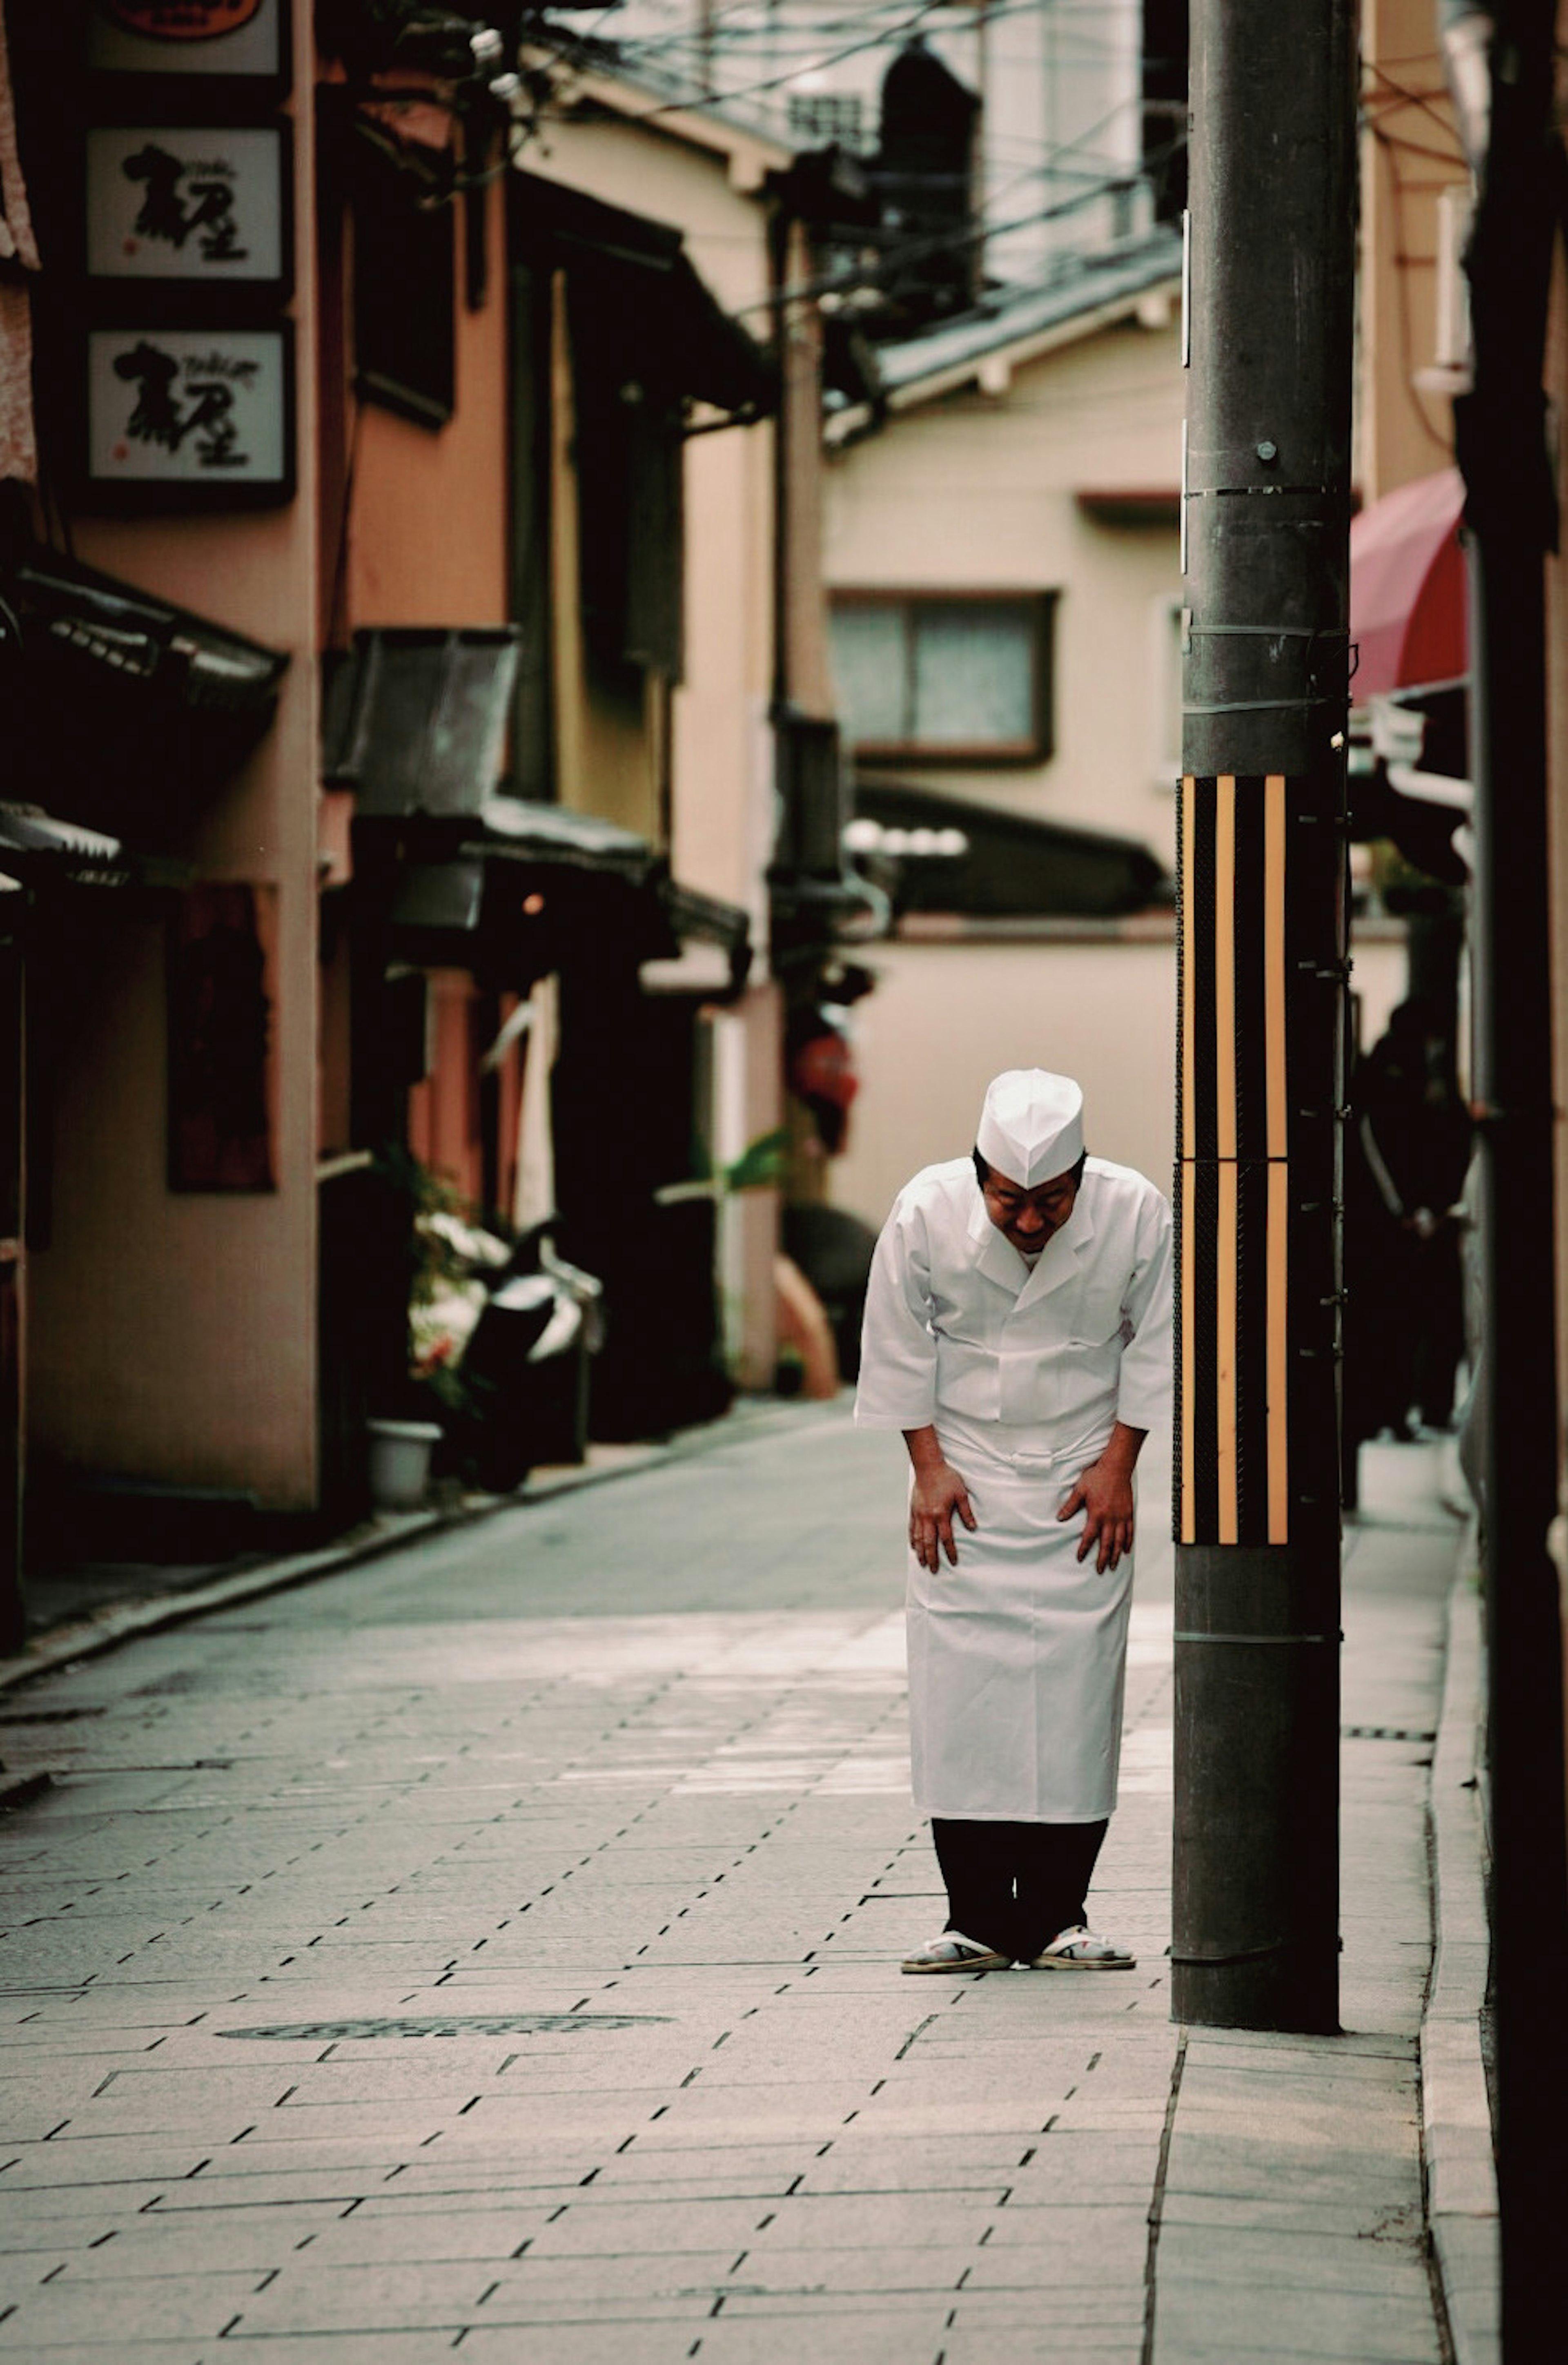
750 153
1014 351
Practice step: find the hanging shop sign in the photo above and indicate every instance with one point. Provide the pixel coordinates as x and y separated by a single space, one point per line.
186 385
205 414
190 208
242 41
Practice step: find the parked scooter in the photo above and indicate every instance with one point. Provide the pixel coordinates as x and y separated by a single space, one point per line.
520 1332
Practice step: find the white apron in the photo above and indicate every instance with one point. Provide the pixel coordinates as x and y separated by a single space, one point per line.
1018 1656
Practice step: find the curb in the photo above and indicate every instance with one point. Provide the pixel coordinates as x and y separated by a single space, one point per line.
124 1621
1456 2119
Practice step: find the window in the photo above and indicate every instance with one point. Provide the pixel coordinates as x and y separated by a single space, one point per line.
404 291
629 474
953 677
827 121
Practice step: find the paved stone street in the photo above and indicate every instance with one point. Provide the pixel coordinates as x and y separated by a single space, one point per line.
494 1947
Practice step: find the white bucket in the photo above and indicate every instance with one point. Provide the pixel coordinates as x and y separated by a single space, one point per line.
401 1462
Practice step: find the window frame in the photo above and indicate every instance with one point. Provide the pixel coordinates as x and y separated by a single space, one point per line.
1040 605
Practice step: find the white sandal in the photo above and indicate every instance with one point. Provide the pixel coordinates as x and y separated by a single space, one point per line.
1079 1949
954 1952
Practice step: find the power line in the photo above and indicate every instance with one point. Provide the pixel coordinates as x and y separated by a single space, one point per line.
690 103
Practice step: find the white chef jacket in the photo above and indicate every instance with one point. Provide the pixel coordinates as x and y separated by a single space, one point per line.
1018 1656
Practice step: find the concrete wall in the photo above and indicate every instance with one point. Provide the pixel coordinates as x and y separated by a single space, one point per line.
946 1017
428 532
979 492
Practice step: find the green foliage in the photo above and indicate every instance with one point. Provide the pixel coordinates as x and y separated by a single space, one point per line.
761 1163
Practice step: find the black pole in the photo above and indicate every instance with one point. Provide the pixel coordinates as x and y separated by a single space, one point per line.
1510 513
1266 520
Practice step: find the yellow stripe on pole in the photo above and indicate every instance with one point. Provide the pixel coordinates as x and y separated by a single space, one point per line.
1277 1284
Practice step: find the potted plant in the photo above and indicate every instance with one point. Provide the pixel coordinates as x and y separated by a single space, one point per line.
447 1254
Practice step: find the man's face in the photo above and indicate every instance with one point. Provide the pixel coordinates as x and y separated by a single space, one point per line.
1028 1218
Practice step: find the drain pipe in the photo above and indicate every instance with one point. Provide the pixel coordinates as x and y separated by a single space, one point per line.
1500 67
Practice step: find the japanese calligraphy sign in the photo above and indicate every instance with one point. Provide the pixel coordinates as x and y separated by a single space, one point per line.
203 207
207 412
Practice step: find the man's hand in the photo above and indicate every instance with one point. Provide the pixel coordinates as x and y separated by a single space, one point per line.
1105 1491
937 1493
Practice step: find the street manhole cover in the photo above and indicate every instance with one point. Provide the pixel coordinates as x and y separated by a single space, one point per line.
479 2024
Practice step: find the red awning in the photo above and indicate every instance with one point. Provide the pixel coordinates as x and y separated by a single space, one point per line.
1407 603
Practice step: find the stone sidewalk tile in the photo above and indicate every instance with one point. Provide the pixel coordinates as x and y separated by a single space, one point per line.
720 2114
379 2347
769 2335
1385 2263
255 2241
575 2343
1078 2306
1369 2214
779 2268
689 2281
226 2184
1107 2344
1224 2163
1468 2251
158 2349
875 2220
1196 2322
594 2229
175 2307
1092 2233
418 2235
508 2170
1028 2265
432 2295
124 2173
925 2170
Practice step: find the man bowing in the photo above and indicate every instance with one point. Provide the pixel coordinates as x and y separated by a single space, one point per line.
1018 1332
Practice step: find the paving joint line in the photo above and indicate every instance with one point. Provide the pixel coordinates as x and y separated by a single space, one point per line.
1156 2201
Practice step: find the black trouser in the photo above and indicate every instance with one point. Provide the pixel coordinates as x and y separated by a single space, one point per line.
1014 1886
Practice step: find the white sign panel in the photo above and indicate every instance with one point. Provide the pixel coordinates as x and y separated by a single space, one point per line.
204 408
200 206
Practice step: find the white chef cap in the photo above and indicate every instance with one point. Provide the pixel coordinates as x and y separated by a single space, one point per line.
1030 1128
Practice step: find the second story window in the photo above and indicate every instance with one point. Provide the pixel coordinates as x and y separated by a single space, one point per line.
953 677
822 119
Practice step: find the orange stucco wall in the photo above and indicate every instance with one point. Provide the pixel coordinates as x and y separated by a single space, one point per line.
173 1335
427 527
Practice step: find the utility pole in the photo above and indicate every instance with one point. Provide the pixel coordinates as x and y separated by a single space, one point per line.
1266 561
